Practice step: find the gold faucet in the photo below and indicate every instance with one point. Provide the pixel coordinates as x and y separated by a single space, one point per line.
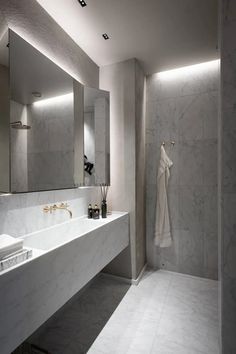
53 207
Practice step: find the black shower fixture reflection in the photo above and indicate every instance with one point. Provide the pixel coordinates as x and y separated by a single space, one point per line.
19 125
88 166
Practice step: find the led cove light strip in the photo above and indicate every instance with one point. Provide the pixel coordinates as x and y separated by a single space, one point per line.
54 100
188 70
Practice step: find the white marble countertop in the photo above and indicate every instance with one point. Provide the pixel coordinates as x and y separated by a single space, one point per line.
65 258
43 241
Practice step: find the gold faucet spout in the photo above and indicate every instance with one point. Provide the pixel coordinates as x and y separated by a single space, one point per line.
62 206
70 212
65 207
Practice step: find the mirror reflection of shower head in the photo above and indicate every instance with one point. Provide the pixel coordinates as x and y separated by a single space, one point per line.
19 125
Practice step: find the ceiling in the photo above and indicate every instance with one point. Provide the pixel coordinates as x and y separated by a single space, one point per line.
162 34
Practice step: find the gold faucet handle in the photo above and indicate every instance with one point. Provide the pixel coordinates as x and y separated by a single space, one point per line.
46 209
54 207
64 205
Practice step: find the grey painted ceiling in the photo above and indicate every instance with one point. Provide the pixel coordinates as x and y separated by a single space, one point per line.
162 34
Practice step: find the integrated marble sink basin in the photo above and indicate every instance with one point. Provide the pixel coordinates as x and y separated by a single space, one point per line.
65 258
60 234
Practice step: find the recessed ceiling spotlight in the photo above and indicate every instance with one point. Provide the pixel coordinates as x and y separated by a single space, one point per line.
82 3
105 36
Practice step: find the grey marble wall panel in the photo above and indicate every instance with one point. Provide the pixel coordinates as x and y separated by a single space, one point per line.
191 252
101 123
210 126
50 146
210 211
19 176
211 254
184 108
140 84
227 173
119 79
125 81
4 130
191 163
184 84
23 213
191 208
169 257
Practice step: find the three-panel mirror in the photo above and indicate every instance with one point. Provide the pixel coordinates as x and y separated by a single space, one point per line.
48 140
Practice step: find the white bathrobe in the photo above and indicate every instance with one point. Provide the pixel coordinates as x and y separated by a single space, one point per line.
162 229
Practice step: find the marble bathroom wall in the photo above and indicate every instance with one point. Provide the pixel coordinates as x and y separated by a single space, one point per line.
140 91
50 146
227 175
4 129
19 161
102 149
89 143
125 81
119 80
183 107
23 213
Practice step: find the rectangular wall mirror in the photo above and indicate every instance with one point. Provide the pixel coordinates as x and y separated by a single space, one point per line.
42 108
96 137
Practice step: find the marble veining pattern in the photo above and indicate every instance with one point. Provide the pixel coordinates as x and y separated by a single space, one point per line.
166 313
185 109
35 290
21 214
227 197
50 146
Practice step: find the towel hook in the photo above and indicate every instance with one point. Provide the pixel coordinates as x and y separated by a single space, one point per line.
169 142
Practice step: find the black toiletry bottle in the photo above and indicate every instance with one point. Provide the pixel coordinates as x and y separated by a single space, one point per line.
90 212
96 212
104 208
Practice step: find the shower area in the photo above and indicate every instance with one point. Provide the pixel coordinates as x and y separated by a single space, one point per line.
182 106
41 145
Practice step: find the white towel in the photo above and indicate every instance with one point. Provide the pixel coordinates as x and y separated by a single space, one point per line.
162 229
9 244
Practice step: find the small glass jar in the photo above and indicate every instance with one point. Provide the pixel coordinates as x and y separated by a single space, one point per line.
96 212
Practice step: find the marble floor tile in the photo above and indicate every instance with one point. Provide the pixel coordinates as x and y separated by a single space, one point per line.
74 328
167 313
187 324
161 346
133 333
191 332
